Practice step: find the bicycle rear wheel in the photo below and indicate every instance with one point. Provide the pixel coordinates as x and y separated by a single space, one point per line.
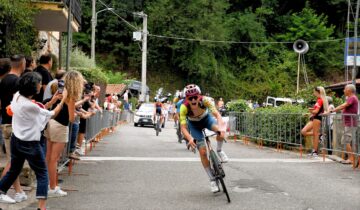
157 127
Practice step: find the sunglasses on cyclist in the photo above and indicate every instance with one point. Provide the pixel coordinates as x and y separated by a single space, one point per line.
192 97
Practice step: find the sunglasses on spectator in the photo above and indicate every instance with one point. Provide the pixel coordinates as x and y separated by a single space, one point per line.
193 97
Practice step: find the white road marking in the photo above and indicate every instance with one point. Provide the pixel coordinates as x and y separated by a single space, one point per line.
184 159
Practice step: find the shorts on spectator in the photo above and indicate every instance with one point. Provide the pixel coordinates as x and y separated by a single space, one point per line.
6 132
349 133
57 132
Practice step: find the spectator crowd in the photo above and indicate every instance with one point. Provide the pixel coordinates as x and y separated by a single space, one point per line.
42 115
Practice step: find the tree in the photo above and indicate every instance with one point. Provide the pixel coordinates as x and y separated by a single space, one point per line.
16 18
307 25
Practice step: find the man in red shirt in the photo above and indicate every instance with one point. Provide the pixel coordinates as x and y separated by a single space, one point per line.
350 111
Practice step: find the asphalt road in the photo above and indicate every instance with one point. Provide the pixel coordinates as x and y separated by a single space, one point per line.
134 169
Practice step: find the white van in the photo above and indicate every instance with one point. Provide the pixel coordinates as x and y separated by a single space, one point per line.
275 102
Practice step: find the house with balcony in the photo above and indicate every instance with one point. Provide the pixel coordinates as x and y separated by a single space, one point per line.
52 20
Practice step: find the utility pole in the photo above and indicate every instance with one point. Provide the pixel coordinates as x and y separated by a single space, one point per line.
354 70
68 36
144 54
93 31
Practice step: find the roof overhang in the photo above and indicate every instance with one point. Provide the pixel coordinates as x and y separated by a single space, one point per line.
53 16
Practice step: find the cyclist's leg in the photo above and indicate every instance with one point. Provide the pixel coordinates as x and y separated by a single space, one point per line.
211 124
195 129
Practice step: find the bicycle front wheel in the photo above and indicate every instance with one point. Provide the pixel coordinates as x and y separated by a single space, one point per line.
224 188
219 173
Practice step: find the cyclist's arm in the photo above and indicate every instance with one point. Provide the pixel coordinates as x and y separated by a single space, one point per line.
211 106
184 129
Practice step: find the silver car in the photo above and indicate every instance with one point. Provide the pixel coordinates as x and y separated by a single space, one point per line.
144 115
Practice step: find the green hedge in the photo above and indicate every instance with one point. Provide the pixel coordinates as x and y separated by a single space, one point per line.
95 75
239 105
272 124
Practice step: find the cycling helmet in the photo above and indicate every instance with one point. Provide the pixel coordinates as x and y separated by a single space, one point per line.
192 90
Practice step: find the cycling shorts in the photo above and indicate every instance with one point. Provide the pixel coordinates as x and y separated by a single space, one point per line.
196 127
158 110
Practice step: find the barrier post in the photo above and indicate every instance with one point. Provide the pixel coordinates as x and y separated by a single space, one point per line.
70 167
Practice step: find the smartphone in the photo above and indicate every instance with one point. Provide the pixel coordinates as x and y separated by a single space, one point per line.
61 85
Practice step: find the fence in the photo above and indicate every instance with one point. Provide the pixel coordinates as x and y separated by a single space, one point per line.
285 129
341 135
96 127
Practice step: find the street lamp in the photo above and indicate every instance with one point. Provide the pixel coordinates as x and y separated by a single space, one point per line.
93 24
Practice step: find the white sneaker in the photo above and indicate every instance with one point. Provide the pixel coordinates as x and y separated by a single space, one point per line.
57 192
214 187
6 199
79 152
19 197
224 158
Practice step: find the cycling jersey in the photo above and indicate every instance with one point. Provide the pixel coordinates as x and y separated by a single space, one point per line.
206 105
158 107
178 105
197 123
176 99
158 104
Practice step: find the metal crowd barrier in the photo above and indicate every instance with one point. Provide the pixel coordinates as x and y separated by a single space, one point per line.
278 129
94 126
275 129
340 131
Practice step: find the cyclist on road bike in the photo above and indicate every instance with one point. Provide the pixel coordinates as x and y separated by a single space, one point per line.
159 110
178 101
196 113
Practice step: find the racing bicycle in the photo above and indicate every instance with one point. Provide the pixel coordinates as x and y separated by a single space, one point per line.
215 163
157 123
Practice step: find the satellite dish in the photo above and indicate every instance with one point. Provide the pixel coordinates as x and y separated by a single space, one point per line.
300 46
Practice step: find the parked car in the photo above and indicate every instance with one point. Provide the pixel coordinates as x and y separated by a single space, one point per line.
275 102
144 115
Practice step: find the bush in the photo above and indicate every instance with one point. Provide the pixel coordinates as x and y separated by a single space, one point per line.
273 124
95 75
239 105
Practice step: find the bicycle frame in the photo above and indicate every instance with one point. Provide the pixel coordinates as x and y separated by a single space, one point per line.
216 165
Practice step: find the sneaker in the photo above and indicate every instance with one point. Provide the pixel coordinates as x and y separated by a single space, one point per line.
57 192
313 154
224 158
6 199
74 156
79 152
19 197
214 187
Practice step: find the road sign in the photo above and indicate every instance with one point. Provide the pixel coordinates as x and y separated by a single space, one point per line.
349 51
